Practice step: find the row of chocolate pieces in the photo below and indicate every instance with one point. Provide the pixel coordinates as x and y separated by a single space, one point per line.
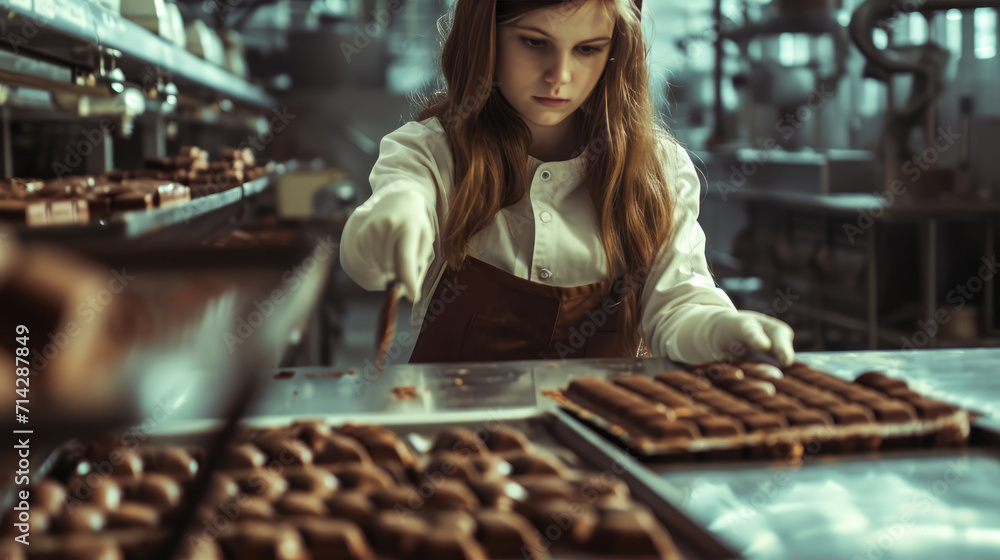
725 401
75 199
191 167
28 201
163 182
474 495
307 491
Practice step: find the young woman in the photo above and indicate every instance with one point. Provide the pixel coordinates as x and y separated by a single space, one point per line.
537 210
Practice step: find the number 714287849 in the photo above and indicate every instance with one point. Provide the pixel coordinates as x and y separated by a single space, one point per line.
21 368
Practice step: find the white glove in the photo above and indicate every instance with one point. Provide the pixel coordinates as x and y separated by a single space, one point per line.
389 237
731 335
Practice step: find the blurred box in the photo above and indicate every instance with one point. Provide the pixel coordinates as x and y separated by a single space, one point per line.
296 189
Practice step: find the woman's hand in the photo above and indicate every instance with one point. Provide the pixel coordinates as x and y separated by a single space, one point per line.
395 241
754 332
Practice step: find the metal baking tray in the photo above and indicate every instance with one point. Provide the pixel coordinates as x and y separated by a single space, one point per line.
542 428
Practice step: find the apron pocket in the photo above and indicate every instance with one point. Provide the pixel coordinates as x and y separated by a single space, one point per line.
505 338
605 341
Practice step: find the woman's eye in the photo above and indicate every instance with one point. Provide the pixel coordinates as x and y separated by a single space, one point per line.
589 51
534 43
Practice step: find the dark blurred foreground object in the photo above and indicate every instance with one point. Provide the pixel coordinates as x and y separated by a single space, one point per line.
74 327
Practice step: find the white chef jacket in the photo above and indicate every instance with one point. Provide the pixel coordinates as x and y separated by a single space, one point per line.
551 235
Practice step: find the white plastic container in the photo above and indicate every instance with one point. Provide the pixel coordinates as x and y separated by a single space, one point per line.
175 23
205 42
151 14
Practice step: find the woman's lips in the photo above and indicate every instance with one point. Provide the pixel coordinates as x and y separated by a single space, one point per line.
549 102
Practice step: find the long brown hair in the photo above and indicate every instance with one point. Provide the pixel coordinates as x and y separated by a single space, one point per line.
489 142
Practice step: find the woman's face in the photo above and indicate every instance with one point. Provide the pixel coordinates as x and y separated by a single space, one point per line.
549 60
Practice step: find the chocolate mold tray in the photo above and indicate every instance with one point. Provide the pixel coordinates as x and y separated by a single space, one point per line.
692 542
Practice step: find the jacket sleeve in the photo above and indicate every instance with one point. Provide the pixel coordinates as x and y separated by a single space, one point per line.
405 181
680 298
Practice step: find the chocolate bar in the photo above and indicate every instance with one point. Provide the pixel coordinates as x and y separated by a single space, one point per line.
757 410
37 211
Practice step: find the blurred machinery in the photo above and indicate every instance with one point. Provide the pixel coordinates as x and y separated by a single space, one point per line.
846 169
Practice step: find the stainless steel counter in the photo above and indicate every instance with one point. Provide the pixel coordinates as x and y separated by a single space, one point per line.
931 504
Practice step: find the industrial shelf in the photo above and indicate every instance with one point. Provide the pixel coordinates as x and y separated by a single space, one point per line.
62 29
137 224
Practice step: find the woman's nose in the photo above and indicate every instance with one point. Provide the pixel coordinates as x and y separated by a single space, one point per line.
558 71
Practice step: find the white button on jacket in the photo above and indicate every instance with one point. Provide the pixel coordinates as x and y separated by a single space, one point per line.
679 298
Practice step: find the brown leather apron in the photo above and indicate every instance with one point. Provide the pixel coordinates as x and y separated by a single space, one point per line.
485 314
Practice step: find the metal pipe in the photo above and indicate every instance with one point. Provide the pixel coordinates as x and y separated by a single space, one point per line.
874 13
718 127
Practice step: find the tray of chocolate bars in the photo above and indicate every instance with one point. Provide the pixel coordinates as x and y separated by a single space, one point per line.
304 489
756 410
